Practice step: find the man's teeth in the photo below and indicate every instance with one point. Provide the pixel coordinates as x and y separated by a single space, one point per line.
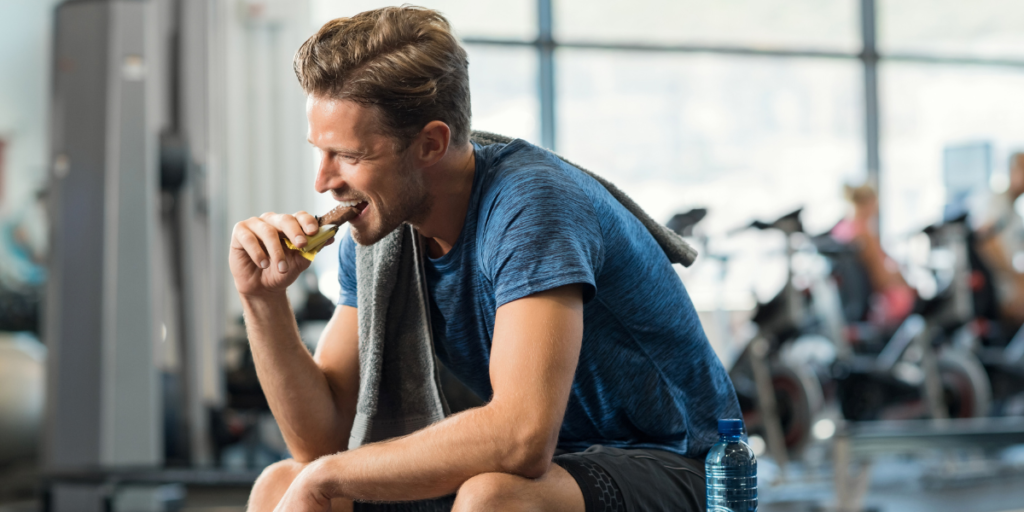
349 203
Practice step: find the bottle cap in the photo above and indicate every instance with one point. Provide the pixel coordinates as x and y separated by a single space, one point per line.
730 427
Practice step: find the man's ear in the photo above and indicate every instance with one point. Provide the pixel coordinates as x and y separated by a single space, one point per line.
432 143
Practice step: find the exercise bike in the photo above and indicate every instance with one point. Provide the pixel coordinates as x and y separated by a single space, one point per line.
779 397
917 370
998 344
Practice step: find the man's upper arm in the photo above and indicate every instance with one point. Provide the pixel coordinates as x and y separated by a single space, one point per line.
541 231
536 347
337 355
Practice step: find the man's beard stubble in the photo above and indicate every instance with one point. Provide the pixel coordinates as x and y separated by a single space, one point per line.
412 205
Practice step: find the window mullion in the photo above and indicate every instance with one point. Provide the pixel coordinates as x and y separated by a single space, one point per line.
546 49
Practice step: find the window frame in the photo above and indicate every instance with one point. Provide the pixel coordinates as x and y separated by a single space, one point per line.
545 45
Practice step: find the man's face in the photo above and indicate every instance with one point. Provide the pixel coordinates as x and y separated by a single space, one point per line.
359 163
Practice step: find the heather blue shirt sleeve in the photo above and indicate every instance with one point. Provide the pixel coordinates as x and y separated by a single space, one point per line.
541 232
347 270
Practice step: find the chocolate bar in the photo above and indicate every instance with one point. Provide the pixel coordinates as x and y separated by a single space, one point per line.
338 216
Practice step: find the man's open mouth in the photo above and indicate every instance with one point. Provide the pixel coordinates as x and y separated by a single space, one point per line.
343 213
361 205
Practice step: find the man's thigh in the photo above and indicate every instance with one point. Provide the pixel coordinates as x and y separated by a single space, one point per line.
614 480
556 491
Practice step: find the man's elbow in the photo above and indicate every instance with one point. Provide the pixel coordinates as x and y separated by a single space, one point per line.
307 450
530 456
306 455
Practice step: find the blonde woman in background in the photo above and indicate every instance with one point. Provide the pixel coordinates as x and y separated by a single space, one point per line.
892 299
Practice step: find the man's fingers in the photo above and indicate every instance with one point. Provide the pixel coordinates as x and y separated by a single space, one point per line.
289 225
262 235
247 241
308 222
271 240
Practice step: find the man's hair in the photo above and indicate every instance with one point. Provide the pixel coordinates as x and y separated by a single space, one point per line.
404 62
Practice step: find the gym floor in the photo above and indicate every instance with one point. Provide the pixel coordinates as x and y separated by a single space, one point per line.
931 482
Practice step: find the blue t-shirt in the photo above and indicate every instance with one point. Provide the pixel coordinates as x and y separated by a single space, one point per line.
647 376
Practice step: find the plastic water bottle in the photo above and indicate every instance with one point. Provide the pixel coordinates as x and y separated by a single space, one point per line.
731 471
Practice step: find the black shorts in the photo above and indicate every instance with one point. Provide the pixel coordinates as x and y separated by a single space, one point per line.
640 480
612 480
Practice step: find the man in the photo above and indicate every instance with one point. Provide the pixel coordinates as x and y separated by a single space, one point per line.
1001 242
549 299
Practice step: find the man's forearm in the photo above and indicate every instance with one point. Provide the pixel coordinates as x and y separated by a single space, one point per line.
296 389
437 460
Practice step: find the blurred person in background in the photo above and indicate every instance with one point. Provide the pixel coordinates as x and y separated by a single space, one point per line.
23 246
23 235
892 299
1001 244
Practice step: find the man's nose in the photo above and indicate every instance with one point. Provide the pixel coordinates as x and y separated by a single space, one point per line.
327 177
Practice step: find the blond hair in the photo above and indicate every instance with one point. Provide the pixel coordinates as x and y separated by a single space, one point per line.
860 195
402 61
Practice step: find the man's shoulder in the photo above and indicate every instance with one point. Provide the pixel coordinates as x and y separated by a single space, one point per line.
525 170
516 155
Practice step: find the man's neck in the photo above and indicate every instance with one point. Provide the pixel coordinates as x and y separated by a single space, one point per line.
450 186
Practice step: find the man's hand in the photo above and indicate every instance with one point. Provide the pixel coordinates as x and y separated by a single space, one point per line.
259 261
305 493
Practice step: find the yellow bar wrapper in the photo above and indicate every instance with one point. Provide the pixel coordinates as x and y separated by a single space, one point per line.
315 242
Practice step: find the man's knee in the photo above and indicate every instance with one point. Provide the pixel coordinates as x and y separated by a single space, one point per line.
281 472
272 483
488 492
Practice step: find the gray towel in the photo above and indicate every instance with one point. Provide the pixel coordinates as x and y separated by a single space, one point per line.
399 383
